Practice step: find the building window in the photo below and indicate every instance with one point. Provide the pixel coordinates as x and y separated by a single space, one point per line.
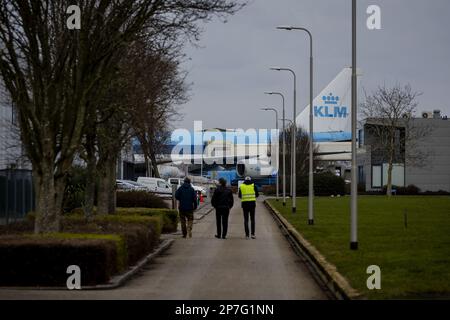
377 176
360 138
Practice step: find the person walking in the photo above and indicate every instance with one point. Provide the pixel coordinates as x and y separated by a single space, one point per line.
248 193
222 200
187 204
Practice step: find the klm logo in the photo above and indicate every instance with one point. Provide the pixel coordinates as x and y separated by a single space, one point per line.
330 108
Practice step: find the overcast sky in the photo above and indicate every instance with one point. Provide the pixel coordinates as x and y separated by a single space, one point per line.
230 71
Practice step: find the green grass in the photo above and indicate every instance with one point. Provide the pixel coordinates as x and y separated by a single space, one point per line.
414 261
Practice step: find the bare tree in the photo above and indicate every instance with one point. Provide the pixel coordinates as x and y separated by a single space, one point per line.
389 117
55 75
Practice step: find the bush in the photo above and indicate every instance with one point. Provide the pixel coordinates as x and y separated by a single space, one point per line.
325 184
140 199
169 216
43 260
74 193
411 190
141 234
270 190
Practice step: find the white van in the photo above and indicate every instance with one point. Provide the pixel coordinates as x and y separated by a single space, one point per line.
176 181
156 185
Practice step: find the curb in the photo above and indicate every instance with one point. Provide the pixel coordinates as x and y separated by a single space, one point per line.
115 281
326 272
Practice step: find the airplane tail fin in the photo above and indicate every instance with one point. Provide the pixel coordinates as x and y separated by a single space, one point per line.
332 109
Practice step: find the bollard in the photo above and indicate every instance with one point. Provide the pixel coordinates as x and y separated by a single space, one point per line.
174 200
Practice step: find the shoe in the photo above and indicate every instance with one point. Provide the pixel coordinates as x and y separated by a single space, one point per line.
247 237
224 237
253 236
184 236
218 237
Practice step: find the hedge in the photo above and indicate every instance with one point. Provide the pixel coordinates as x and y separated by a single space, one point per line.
141 234
33 260
140 199
169 216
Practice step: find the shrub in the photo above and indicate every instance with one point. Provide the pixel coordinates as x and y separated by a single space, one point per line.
325 184
409 190
74 192
43 260
141 199
269 190
169 216
141 234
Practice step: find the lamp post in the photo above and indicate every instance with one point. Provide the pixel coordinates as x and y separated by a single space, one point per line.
284 146
311 123
278 154
294 137
354 188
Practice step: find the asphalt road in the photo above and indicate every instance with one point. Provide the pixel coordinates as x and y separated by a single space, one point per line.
204 267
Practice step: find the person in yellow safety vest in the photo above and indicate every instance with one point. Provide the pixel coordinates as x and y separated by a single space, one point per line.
248 193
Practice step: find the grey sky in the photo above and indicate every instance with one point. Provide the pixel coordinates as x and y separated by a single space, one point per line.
230 71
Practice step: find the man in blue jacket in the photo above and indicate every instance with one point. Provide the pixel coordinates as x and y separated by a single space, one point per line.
187 203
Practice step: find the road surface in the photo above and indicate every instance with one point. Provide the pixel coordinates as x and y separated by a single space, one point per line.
204 267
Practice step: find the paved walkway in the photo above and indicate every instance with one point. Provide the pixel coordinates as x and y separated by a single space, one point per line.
208 268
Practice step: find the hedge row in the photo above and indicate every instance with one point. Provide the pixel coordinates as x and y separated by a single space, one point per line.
102 246
43 260
169 216
140 199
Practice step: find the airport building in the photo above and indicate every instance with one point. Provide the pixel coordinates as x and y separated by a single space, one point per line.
423 161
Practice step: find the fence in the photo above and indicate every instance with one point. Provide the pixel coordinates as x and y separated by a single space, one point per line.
16 195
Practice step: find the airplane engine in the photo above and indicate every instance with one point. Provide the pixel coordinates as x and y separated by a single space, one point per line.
255 169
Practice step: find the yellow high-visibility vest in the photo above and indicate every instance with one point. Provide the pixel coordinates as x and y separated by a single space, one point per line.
248 192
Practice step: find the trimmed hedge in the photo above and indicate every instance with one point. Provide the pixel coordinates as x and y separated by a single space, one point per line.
140 199
325 184
43 260
141 234
169 216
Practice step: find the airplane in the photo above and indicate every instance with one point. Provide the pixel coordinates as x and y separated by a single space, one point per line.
332 137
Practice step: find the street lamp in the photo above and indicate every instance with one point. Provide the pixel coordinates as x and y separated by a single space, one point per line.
291 124
311 123
354 188
284 146
294 137
278 154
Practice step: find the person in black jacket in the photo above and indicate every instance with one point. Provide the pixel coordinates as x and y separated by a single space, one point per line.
222 200
187 199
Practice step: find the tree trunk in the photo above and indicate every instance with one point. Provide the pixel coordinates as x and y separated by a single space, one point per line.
89 192
49 198
390 165
154 165
106 199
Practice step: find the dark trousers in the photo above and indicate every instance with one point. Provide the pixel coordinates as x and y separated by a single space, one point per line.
249 211
186 216
222 221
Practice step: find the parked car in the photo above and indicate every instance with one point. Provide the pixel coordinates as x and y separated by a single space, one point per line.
177 181
123 186
135 185
156 185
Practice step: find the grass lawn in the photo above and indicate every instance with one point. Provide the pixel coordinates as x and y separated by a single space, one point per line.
414 261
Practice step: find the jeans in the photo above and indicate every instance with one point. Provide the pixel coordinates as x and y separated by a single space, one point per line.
222 221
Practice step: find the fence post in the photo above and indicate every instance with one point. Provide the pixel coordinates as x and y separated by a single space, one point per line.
174 201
